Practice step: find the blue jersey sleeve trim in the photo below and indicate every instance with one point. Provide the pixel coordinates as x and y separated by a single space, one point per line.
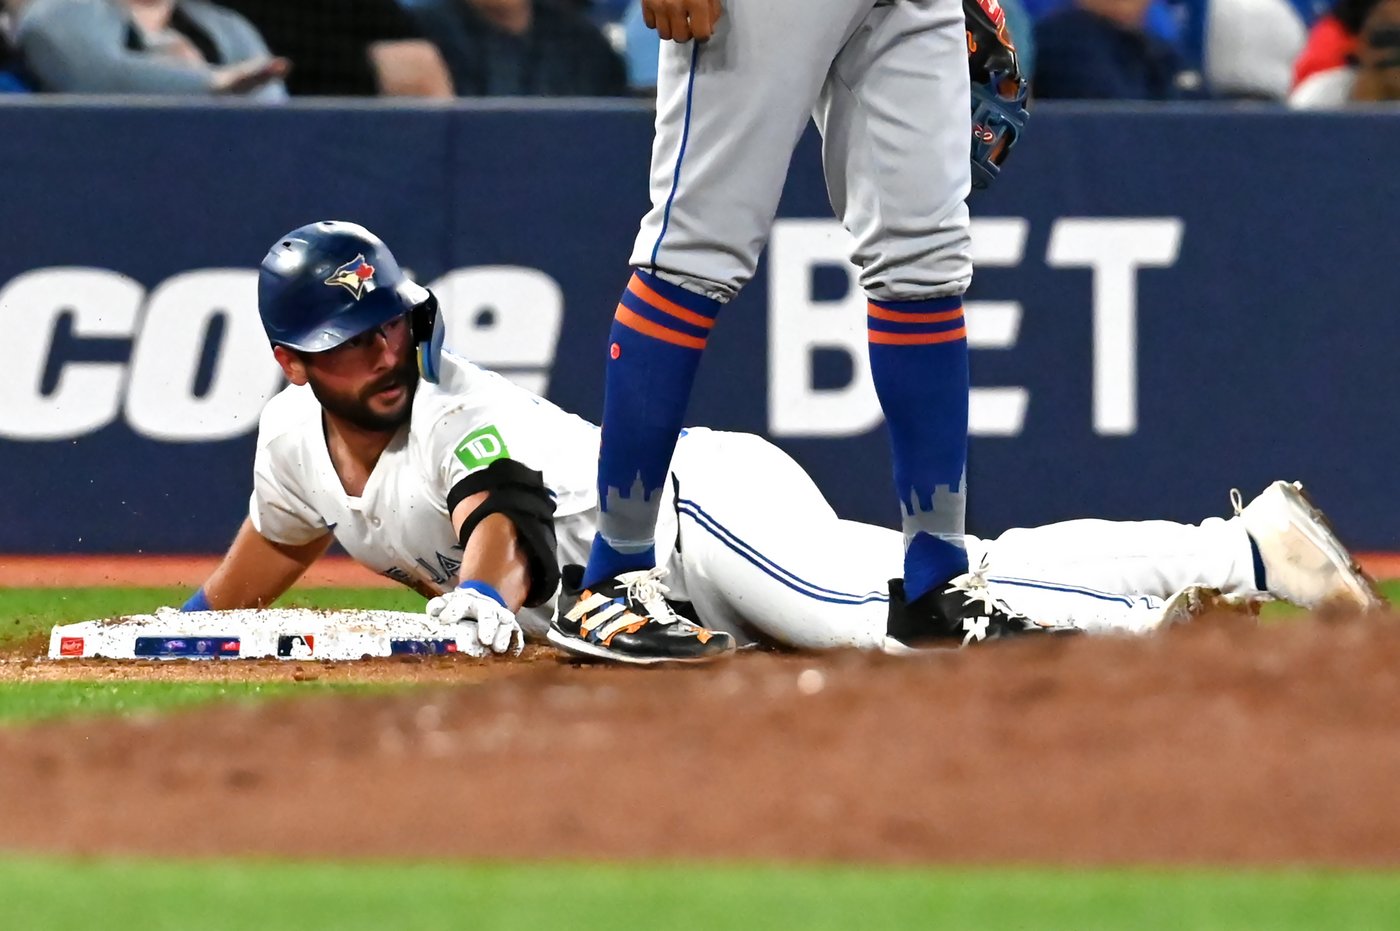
197 602
483 588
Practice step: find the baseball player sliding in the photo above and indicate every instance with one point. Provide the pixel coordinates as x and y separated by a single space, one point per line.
474 492
887 83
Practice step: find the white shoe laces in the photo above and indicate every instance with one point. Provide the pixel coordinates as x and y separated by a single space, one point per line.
1237 501
647 589
973 585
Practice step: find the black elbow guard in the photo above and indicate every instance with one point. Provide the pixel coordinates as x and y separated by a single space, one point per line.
519 493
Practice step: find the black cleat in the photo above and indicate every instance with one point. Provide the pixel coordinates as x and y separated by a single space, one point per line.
627 620
960 613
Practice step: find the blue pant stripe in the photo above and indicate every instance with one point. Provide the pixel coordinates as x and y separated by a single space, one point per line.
680 156
1066 589
768 566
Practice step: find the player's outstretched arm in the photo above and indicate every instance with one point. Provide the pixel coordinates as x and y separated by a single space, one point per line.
493 553
504 518
255 571
496 577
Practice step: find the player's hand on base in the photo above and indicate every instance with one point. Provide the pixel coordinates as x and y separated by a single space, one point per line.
495 628
682 20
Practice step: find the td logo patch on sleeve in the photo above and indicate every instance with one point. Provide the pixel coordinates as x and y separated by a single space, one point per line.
481 448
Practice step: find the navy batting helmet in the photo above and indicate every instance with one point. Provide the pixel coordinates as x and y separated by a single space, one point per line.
327 282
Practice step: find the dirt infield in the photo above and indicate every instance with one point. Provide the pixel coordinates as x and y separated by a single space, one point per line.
21 663
1220 743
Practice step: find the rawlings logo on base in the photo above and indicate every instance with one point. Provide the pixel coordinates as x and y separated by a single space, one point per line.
70 646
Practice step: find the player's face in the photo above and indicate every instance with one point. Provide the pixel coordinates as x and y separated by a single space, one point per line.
368 380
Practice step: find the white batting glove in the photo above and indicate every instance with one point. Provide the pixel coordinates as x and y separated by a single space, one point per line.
479 606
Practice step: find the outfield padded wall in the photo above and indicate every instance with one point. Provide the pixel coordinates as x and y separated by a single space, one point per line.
1169 302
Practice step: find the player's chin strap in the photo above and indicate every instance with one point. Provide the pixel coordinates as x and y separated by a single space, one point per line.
428 331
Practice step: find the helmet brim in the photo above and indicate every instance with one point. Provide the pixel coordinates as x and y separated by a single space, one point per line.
373 310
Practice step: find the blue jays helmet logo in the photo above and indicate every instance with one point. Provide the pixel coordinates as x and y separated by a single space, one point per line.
355 276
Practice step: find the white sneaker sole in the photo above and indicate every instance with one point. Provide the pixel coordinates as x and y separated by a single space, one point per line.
593 651
893 647
1309 544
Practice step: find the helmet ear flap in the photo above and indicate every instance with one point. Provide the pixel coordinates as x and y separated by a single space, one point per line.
425 320
422 318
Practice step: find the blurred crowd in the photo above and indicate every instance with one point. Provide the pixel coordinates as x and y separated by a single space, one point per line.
1310 53
1306 52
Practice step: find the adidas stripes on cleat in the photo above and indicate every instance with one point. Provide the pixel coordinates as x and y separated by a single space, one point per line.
627 620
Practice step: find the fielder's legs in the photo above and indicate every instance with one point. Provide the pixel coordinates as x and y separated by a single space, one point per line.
729 112
896 127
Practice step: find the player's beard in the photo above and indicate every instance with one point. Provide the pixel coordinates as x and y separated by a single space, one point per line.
357 410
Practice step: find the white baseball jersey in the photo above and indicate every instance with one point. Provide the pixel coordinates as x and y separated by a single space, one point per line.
399 526
746 534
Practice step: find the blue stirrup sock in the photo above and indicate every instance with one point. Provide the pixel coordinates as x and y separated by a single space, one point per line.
658 335
918 357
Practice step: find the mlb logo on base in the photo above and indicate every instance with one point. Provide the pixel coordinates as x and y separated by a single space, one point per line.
296 646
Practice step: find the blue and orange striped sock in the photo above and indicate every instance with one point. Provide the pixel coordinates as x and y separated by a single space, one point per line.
918 357
658 336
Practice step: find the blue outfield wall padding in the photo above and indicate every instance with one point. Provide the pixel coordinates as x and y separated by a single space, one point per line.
1169 302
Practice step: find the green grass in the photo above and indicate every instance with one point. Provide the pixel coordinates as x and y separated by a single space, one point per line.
32 701
1390 588
57 895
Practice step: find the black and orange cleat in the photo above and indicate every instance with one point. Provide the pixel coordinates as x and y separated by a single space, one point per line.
628 620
